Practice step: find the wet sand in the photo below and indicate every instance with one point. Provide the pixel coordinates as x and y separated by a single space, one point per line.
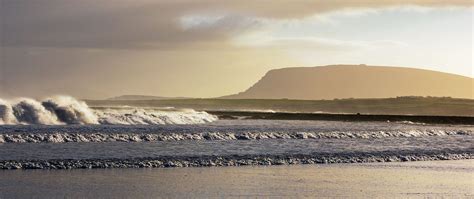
450 179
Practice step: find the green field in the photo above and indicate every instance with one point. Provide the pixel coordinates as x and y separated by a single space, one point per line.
394 106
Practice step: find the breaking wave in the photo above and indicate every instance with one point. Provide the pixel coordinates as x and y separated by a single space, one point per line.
234 160
152 137
62 110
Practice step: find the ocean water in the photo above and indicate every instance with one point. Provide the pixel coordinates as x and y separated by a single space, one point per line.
228 143
64 110
60 148
64 133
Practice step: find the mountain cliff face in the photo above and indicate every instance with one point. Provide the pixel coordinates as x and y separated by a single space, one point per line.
357 81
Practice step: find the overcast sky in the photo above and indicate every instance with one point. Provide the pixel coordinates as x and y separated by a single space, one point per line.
209 48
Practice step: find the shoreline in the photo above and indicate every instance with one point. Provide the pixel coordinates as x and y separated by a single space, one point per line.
421 179
238 160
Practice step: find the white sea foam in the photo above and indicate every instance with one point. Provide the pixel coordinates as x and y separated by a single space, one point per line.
6 113
410 122
67 110
30 111
150 137
70 111
152 116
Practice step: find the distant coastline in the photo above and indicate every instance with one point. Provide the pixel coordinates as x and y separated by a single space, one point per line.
409 119
410 105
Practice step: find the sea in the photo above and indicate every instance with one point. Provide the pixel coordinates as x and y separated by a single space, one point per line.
62 148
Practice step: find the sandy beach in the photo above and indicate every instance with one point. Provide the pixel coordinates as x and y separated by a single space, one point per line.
449 179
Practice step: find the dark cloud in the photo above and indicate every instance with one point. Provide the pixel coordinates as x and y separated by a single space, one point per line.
87 48
87 24
125 24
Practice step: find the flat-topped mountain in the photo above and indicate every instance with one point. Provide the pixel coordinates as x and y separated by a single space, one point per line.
142 97
357 81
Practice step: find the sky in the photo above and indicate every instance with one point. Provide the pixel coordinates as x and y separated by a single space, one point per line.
208 48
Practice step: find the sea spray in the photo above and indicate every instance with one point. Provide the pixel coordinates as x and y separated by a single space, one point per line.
6 113
68 110
29 111
139 116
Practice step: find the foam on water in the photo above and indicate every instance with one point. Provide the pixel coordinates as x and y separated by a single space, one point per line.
29 111
140 116
67 110
151 137
70 111
6 113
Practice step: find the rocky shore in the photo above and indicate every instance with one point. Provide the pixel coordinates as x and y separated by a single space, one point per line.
237 160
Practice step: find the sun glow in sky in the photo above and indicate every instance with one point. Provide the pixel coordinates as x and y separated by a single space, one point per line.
97 49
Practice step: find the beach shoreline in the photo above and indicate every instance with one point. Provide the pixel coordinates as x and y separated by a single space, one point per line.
451 178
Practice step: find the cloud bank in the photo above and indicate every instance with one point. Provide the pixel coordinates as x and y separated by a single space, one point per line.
210 48
151 24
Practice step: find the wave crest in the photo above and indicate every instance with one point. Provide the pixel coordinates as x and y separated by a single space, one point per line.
30 111
137 116
67 110
70 111
6 113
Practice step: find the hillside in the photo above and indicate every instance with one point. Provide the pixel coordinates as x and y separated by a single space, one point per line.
142 97
356 81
